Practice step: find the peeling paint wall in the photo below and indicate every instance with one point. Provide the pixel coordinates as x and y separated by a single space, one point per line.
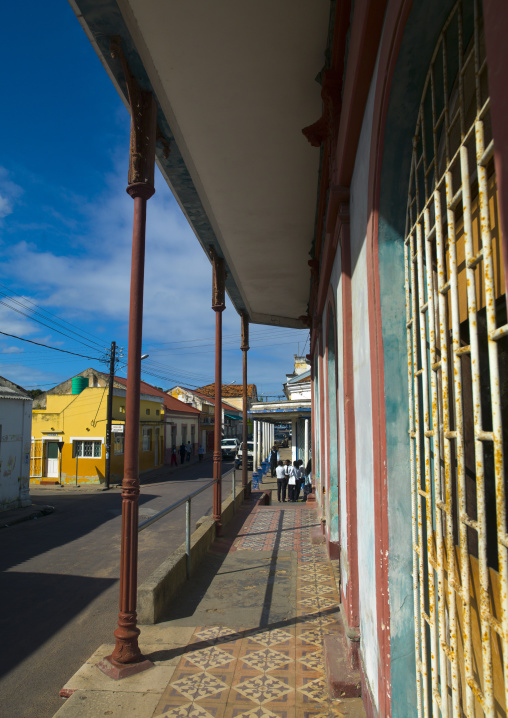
363 403
16 423
420 34
336 282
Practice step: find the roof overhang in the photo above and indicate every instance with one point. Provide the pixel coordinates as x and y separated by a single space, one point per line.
235 83
281 410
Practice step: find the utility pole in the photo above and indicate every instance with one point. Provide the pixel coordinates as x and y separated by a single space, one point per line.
109 418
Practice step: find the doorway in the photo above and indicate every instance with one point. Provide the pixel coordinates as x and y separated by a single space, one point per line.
52 460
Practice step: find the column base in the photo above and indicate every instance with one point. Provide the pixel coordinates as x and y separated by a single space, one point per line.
117 671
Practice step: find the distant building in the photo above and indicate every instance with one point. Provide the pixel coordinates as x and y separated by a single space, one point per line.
15 429
69 435
232 393
299 384
296 412
181 420
231 415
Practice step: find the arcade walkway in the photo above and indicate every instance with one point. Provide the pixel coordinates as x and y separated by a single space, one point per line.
246 638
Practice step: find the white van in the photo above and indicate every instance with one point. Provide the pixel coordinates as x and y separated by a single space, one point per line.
229 448
250 455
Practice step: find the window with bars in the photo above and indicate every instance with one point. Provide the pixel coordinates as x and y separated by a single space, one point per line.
87 449
147 439
457 373
118 444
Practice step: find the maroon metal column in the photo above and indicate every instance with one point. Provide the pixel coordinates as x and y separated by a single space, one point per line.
126 658
245 349
218 305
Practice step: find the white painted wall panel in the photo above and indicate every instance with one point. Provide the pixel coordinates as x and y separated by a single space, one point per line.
16 426
336 283
363 403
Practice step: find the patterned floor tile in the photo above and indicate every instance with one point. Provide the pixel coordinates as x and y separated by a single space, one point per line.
266 660
314 636
214 634
272 672
196 686
257 712
313 661
209 657
186 710
314 690
272 638
263 689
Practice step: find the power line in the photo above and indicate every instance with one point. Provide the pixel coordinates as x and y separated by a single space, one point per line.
48 326
42 312
228 338
56 349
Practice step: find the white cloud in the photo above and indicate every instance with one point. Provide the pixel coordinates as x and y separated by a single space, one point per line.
5 206
9 192
86 281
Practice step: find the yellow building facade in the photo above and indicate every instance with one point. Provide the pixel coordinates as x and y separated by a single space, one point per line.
69 437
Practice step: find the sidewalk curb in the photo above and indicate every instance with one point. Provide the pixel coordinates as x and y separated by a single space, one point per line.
34 512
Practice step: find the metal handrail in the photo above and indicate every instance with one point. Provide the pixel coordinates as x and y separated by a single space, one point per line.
187 500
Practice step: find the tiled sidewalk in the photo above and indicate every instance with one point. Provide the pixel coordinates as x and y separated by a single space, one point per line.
266 671
249 671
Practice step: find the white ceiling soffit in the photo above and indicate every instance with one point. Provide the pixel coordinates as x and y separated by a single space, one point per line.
236 83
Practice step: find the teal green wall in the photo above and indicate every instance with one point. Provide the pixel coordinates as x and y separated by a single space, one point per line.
420 36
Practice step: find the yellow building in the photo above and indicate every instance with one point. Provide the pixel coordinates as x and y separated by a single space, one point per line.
69 436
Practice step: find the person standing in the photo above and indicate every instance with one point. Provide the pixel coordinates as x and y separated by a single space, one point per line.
274 458
280 472
182 452
201 452
307 488
299 478
292 473
188 450
174 462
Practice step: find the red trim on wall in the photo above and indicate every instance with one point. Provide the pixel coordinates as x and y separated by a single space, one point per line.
363 46
351 596
368 705
395 21
340 30
496 31
365 34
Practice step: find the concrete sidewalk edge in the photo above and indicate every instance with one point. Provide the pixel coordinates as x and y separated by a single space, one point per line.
27 513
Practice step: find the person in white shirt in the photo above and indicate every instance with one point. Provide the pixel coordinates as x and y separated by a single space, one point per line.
292 477
280 473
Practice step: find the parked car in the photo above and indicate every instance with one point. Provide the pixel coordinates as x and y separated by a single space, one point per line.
229 448
250 455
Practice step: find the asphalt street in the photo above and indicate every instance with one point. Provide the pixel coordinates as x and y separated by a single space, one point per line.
59 585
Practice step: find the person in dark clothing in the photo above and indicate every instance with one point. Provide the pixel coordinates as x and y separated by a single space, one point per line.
299 479
182 453
274 458
307 487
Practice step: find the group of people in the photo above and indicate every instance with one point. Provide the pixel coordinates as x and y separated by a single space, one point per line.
291 477
185 452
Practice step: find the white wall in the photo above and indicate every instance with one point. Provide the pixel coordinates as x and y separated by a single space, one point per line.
16 423
336 283
363 403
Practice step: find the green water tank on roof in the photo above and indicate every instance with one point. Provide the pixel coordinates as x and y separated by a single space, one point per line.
79 383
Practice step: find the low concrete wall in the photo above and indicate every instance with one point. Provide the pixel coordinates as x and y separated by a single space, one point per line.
165 582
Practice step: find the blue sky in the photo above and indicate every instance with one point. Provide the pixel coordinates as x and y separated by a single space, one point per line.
66 225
